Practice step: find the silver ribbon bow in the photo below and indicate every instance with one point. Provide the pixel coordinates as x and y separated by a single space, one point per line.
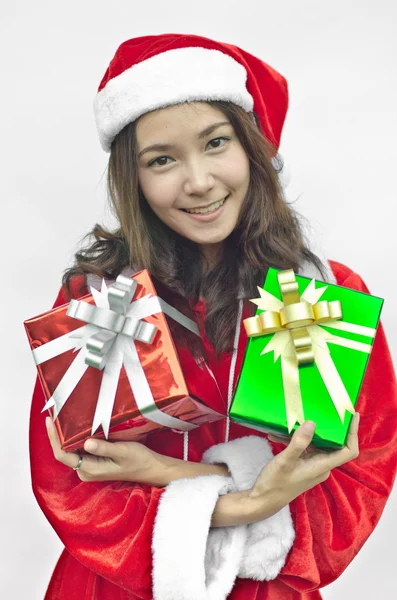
106 343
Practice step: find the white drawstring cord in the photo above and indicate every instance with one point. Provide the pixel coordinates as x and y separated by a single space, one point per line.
233 367
185 445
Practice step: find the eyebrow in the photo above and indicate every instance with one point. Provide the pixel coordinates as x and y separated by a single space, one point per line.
202 134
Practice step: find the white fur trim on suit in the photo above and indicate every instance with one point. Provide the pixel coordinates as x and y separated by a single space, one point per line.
269 541
190 560
193 74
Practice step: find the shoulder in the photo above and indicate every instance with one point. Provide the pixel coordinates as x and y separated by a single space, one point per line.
78 288
80 285
346 277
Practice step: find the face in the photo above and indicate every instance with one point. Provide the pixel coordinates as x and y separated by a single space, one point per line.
193 171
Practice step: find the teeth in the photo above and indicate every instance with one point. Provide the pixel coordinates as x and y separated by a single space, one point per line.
208 209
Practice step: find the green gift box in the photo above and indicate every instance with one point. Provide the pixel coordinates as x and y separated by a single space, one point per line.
306 357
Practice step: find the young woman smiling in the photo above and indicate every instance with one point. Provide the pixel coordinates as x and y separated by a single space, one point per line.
193 127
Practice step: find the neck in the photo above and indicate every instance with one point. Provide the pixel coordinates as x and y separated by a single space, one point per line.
211 254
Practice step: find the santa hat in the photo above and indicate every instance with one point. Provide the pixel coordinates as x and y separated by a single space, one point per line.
155 71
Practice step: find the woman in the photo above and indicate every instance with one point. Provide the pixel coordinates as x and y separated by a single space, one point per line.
193 127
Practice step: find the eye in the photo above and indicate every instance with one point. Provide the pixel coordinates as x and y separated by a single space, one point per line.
217 140
156 161
160 161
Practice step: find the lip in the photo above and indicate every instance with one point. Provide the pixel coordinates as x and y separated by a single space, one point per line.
207 217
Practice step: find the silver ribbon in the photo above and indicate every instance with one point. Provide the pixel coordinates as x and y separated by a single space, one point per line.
106 343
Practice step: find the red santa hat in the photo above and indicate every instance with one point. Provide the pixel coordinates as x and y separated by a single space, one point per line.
155 71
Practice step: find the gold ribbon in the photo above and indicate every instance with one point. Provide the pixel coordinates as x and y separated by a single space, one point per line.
300 340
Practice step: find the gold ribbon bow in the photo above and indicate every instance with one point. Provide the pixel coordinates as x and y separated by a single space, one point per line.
300 340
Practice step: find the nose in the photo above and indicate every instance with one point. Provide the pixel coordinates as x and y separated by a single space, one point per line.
198 179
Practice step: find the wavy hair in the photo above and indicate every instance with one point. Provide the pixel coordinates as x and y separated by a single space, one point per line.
268 233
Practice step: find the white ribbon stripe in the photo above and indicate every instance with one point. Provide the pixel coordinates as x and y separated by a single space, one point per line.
106 343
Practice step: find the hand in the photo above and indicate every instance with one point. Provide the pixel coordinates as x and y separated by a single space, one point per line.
111 461
128 461
294 471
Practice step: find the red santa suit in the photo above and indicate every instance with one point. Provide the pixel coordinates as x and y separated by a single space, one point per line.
127 540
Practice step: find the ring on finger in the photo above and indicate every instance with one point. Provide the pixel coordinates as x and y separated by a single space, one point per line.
77 467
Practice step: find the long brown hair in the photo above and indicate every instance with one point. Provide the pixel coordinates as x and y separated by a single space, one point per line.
268 233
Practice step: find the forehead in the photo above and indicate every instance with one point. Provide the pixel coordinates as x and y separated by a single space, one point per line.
188 116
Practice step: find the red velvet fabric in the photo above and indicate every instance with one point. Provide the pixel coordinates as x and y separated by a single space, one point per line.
107 527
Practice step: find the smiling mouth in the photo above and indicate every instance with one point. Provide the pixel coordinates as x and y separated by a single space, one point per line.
208 209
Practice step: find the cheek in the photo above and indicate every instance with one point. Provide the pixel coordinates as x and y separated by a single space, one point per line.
236 170
160 192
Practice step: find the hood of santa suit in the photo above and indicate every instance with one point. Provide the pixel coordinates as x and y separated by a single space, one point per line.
191 560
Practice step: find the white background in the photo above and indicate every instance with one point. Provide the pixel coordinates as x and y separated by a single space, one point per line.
338 145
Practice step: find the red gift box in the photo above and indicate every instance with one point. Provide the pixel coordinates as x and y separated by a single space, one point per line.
127 360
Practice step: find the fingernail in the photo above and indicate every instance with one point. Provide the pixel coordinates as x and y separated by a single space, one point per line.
48 422
90 445
309 426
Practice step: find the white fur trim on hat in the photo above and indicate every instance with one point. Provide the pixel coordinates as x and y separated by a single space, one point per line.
179 75
269 541
190 560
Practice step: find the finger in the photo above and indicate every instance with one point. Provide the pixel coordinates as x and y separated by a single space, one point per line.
300 440
97 468
279 439
352 437
349 451
314 449
53 437
69 459
285 441
115 451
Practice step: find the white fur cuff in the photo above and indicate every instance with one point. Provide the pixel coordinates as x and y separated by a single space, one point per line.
269 541
190 560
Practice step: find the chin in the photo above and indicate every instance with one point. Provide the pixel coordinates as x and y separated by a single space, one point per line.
215 237
209 241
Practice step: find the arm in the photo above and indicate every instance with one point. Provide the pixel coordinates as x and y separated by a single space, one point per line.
334 516
334 519
133 462
106 526
128 461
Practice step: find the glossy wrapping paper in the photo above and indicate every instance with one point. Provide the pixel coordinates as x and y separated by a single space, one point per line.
260 399
174 364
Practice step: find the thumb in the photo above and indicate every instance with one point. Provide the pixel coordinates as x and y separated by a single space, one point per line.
106 449
300 440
